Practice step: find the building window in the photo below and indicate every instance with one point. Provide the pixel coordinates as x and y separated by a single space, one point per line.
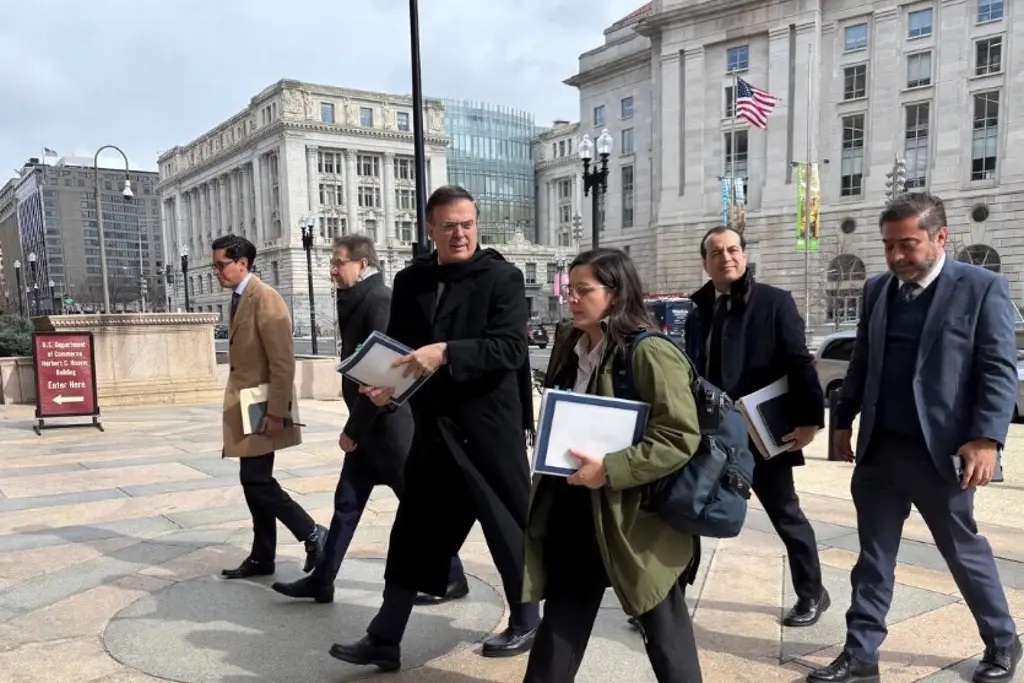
856 37
627 141
737 58
275 273
730 101
331 226
552 272
366 117
327 113
986 136
855 81
736 164
404 230
989 58
369 197
852 171
531 273
919 23
627 196
405 199
626 107
599 115
561 148
331 194
402 120
989 10
915 150
368 166
370 228
404 169
564 214
919 69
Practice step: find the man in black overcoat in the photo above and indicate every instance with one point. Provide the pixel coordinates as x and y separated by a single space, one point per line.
464 310
744 335
376 447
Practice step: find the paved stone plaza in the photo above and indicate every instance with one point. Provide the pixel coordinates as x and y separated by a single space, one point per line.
111 545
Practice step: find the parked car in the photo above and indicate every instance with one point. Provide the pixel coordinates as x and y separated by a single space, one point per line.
833 357
537 336
220 331
669 315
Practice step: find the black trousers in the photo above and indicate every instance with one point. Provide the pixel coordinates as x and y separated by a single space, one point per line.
776 490
575 589
268 503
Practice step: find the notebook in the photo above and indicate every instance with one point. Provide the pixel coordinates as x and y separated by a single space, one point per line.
775 414
253 404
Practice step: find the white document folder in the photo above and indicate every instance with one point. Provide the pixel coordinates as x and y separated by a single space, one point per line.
758 429
253 404
595 425
371 365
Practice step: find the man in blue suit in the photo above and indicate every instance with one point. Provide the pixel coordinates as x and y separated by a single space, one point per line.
934 378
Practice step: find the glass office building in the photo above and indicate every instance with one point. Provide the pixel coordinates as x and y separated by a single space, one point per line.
489 156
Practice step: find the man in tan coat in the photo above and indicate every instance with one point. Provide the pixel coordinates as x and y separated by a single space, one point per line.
260 352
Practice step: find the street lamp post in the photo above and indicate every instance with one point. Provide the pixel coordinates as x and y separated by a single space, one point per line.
53 296
35 285
561 286
307 223
17 277
595 181
127 194
184 275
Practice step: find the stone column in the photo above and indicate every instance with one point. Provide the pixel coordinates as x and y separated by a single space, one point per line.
778 193
672 120
233 207
225 196
257 190
389 197
351 189
694 173
204 216
553 218
193 221
313 179
805 73
244 178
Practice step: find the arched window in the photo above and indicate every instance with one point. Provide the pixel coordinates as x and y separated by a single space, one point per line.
980 255
844 280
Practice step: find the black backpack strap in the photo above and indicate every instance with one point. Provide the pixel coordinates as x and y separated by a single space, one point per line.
622 367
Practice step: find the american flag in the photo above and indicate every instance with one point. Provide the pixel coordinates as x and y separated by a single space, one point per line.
753 104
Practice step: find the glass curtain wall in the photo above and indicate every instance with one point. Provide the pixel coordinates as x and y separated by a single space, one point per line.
489 156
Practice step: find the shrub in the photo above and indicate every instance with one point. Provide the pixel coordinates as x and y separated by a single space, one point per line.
15 336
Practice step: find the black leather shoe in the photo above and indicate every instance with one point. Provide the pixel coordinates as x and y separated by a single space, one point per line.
368 651
845 669
806 612
509 643
456 591
306 587
998 664
315 547
249 567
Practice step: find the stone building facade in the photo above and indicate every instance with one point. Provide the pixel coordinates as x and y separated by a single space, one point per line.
861 84
298 150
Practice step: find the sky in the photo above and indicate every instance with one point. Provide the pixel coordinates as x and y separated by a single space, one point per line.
147 75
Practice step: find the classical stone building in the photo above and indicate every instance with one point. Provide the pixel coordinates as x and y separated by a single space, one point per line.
861 83
342 156
559 177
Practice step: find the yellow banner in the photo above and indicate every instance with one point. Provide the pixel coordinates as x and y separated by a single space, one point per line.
803 244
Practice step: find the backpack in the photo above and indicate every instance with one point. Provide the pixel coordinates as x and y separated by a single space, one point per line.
708 496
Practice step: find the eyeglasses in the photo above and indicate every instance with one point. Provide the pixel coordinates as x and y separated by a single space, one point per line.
223 265
577 293
465 225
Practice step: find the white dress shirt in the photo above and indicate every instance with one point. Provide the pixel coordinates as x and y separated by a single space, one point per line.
589 360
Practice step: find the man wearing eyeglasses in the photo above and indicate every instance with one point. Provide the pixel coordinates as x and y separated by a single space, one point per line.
260 352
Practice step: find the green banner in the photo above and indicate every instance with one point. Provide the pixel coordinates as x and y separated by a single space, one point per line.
802 243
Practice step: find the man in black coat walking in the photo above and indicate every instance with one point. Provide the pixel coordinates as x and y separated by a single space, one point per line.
375 449
464 311
744 335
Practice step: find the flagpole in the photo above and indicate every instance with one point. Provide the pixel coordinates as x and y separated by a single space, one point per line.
807 198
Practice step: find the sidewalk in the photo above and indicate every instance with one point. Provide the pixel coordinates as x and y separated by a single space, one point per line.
111 545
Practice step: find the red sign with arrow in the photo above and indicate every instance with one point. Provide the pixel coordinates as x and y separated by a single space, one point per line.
65 374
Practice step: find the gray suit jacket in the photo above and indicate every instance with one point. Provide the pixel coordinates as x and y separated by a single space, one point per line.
965 382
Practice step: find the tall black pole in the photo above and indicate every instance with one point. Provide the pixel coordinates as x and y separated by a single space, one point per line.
184 280
307 244
595 231
419 141
21 302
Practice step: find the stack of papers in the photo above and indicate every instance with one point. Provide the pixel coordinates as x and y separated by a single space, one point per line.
768 419
371 366
595 425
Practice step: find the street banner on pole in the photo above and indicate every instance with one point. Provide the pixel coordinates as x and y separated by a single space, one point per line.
803 186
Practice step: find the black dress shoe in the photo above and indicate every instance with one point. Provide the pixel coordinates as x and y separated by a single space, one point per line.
807 612
845 669
315 547
998 664
456 590
249 567
368 651
306 587
509 643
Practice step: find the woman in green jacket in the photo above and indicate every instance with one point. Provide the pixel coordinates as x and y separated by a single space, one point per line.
588 532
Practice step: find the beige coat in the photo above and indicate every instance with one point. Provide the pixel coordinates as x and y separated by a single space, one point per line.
259 351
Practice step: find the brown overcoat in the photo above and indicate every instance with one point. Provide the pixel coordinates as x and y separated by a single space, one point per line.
260 351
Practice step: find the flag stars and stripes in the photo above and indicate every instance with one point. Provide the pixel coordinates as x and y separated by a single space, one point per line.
753 105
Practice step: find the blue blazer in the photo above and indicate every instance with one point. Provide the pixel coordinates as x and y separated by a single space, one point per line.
965 381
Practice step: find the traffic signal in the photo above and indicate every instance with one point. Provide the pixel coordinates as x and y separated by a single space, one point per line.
896 179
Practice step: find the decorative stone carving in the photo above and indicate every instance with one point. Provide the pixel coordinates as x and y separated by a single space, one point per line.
435 121
291 102
350 113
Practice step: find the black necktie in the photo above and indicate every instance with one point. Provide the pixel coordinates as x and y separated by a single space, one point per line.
235 297
909 291
715 347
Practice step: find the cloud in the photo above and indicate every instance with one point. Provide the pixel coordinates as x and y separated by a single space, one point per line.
147 76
